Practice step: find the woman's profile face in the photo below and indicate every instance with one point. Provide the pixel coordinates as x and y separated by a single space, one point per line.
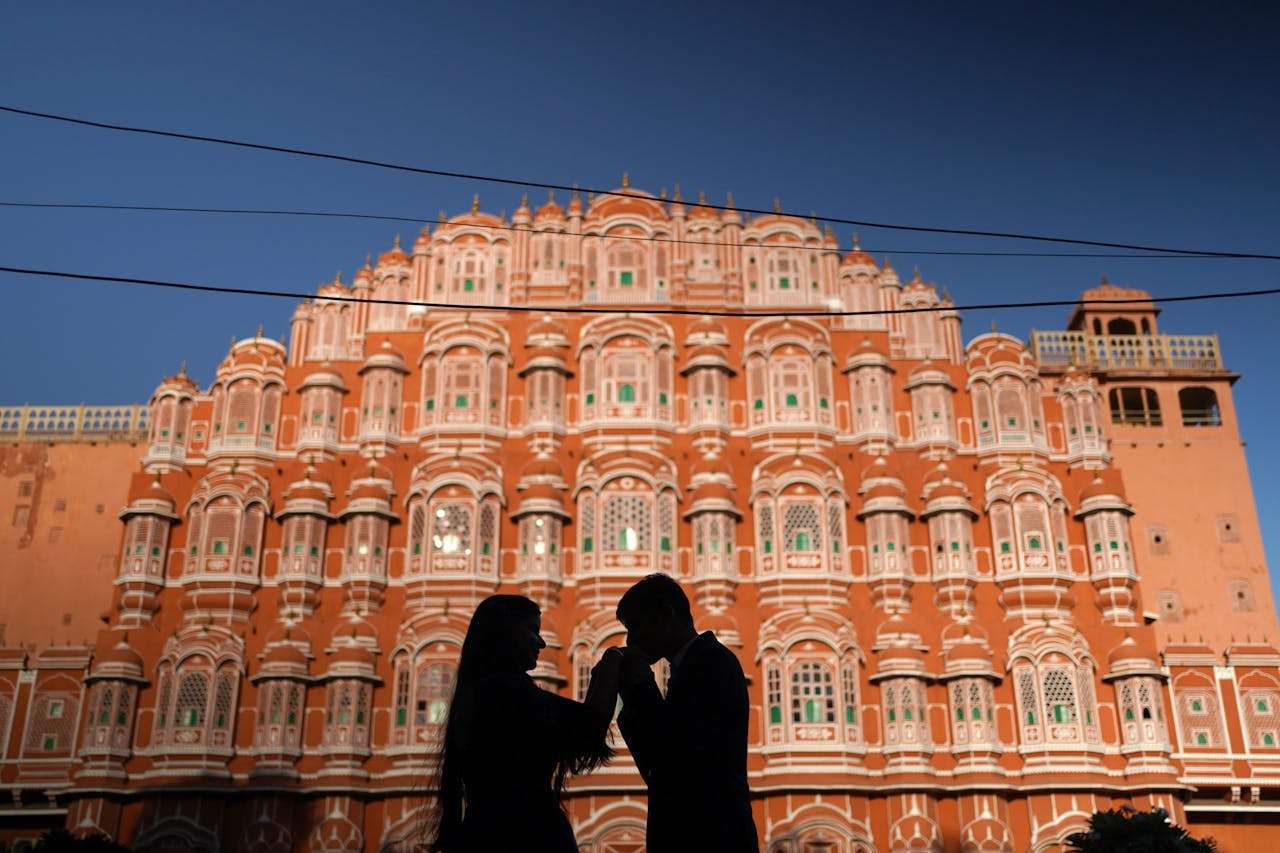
529 640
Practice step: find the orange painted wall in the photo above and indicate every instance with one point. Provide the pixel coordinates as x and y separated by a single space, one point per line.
56 569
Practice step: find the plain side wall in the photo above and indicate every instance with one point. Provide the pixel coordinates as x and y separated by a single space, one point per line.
58 563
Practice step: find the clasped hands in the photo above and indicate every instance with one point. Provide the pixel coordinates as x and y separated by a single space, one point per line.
619 666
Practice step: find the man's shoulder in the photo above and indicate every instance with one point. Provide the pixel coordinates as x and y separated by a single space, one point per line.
708 652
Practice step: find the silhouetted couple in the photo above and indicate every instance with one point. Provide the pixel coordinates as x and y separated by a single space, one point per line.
509 745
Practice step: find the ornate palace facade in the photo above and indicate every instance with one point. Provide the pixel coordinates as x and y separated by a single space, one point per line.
922 550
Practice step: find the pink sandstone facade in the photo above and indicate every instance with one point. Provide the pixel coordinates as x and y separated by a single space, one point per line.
970 608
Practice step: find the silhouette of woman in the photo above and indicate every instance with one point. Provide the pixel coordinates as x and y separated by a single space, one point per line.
509 745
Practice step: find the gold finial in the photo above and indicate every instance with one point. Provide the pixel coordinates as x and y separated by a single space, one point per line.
282 343
915 272
502 214
551 196
728 199
857 242
575 196
993 325
677 195
946 294
626 181
813 218
258 334
475 203
827 232
662 193
777 205
368 261
591 198
233 341
337 278
395 244
182 368
440 217
702 197
1104 279
524 199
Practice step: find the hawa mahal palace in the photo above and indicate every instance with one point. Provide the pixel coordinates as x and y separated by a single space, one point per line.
980 589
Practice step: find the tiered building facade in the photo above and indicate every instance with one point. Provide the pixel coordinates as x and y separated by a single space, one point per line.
923 551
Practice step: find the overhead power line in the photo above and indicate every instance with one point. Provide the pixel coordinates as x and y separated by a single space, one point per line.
519 182
416 220
577 309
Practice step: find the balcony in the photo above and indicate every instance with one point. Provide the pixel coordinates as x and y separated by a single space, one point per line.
1155 353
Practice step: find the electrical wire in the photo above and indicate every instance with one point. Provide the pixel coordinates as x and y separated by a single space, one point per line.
518 182
150 208
694 312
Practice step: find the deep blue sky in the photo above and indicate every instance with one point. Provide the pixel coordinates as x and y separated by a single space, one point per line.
1112 121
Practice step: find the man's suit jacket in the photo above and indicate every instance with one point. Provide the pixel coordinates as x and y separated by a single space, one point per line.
691 749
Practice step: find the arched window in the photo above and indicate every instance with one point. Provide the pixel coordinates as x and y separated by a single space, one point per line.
973 715
628 273
346 721
628 384
1262 717
792 379
627 523
812 694
1199 718
1199 407
1121 326
432 693
801 527
463 389
1135 406
470 275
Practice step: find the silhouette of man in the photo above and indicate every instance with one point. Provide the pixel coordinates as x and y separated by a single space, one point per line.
691 745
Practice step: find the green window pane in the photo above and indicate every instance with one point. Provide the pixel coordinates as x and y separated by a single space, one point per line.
553 547
784 283
976 714
1060 713
1034 543
1197 705
626 393
1031 717
960 715
955 546
1128 713
220 546
50 743
460 401
431 404
1201 738
768 546
1269 739
484 548
1004 547
121 718
248 550
812 713
297 547
793 400
1261 705
469 285
822 403
889 546
802 542
1114 545
848 714
155 550
775 714
758 404
662 397
664 544
193 550
892 715
907 714
626 279
591 398
587 545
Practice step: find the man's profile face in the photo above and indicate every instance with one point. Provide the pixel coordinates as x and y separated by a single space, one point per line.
647 632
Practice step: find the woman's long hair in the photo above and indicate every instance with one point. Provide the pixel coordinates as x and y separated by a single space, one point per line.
488 649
